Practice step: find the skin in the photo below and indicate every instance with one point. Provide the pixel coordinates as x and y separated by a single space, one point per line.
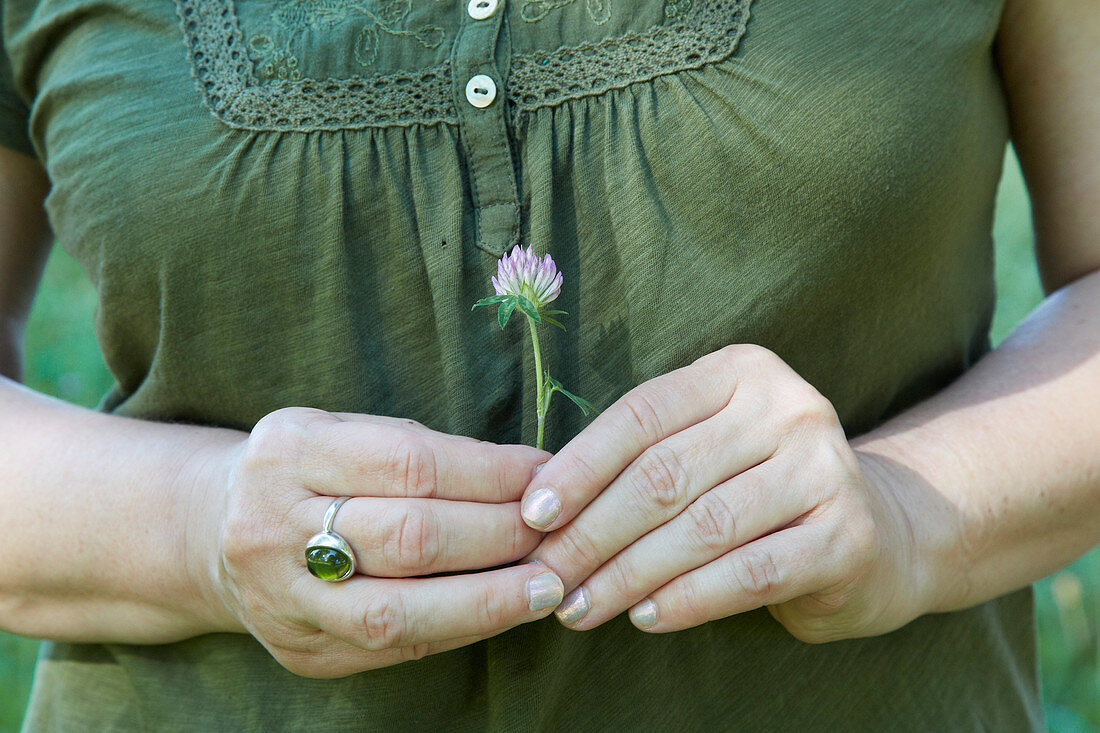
984 488
728 485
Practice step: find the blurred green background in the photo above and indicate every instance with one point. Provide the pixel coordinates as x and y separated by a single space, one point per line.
63 360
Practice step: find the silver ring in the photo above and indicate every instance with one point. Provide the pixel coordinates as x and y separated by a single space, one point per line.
328 555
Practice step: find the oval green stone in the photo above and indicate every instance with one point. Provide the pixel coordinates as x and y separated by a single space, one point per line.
327 563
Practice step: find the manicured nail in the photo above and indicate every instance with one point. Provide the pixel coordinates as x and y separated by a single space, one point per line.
644 615
540 508
574 607
544 591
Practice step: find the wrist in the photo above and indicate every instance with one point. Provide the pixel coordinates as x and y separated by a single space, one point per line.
206 478
932 569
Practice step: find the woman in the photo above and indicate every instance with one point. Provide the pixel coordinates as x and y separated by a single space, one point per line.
288 209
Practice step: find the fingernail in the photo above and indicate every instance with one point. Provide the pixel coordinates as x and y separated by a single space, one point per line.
540 508
544 591
537 469
574 607
644 615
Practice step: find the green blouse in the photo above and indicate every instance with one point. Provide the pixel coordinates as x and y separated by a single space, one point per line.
296 202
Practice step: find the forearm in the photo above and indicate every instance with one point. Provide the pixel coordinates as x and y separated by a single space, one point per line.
1002 468
106 523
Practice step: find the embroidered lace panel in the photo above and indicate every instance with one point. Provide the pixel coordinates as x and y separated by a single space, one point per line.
272 53
695 33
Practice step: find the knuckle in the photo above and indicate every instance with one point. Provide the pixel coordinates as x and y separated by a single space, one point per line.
619 577
523 539
586 468
756 574
660 478
491 609
808 408
506 469
712 522
689 602
277 438
839 460
410 540
578 550
755 356
642 413
382 622
746 351
410 466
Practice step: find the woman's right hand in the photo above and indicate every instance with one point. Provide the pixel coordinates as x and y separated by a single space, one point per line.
423 503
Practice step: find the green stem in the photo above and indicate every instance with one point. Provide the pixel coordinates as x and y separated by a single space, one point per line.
541 405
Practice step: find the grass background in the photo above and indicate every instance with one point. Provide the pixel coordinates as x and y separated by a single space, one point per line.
63 360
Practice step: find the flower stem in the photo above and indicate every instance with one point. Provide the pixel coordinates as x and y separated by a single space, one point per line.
541 405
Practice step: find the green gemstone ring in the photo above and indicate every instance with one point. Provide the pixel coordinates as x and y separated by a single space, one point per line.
328 555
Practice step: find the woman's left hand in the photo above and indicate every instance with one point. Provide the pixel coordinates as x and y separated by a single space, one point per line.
719 488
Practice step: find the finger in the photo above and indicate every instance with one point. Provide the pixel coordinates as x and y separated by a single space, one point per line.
401 538
656 487
740 510
774 569
643 417
388 613
340 455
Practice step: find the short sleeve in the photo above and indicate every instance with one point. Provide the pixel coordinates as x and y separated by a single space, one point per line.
14 115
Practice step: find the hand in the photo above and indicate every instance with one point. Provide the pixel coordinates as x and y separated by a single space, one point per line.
719 488
423 503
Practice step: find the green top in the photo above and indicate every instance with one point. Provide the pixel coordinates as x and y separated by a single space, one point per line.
294 202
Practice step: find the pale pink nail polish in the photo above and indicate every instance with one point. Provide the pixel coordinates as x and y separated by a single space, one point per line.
541 508
574 607
544 591
644 615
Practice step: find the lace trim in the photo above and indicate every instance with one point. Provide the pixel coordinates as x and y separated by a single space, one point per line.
221 64
223 69
708 35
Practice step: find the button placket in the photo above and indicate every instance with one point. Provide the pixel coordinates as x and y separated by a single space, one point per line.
477 83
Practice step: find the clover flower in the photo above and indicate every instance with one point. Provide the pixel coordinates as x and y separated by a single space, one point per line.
522 272
527 282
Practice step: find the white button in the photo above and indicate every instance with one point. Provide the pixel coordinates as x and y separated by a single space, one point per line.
481 90
481 9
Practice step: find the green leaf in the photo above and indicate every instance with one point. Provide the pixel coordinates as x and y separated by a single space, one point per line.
555 313
505 311
580 402
529 309
548 319
491 299
555 386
